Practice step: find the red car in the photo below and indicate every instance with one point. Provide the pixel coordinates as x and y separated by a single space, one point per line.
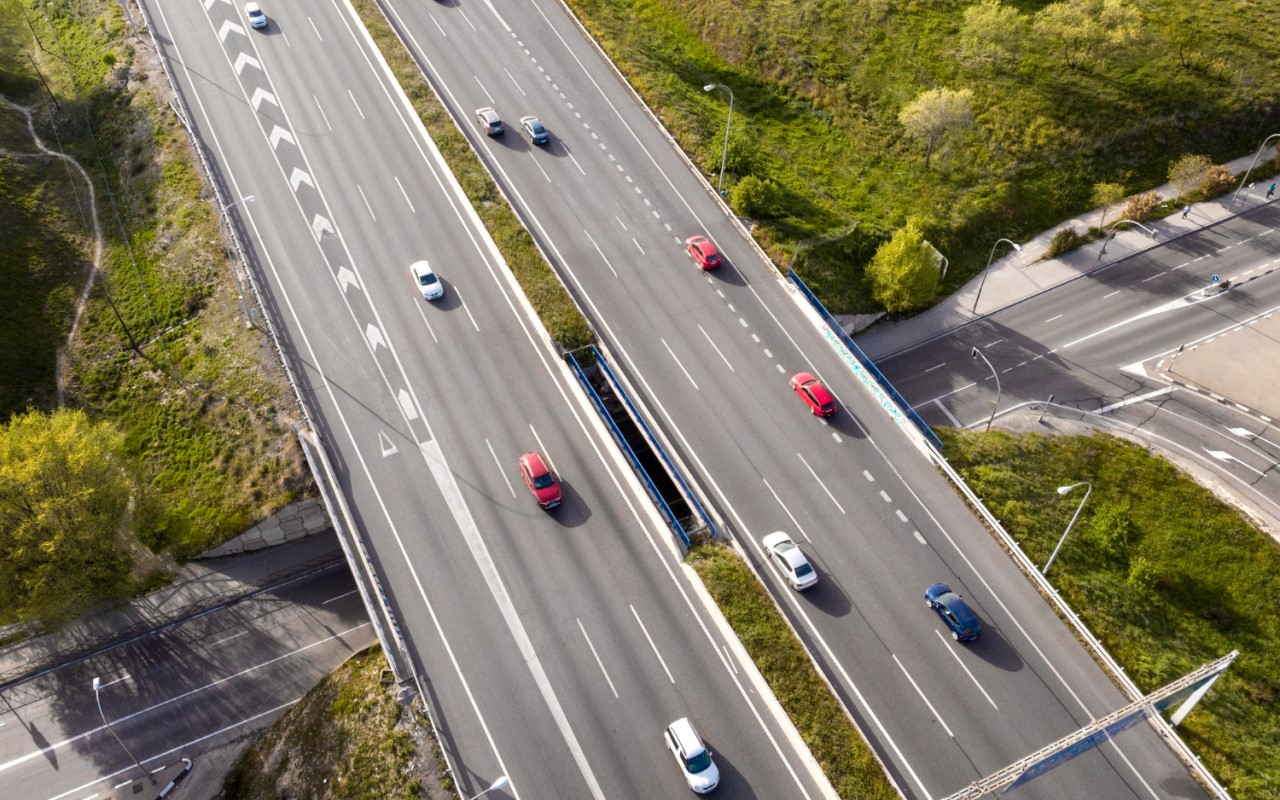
814 394
703 252
540 480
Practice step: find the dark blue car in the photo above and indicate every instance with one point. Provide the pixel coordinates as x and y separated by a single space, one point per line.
954 611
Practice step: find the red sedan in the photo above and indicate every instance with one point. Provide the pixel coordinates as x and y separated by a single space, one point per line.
814 394
703 252
540 480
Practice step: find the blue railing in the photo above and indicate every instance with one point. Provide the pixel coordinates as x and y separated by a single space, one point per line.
672 521
866 362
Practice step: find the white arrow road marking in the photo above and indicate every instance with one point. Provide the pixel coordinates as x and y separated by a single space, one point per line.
261 94
299 177
406 405
1240 432
1224 456
347 278
388 447
320 225
208 4
374 335
277 134
243 60
228 27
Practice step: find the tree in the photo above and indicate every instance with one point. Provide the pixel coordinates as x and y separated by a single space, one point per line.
992 32
1187 174
66 504
1106 195
903 271
1088 29
754 197
935 112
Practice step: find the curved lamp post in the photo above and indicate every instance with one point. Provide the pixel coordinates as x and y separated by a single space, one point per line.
501 783
976 353
1017 248
97 685
725 155
1064 490
1252 163
1112 233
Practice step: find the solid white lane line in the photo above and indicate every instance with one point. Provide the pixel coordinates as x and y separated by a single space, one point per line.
916 686
406 194
601 252
338 597
956 656
678 364
354 103
711 342
314 28
227 638
466 308
820 483
366 203
49 748
323 115
786 510
729 657
645 630
948 413
599 663
501 471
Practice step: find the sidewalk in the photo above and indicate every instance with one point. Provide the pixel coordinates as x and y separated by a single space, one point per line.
198 586
1019 275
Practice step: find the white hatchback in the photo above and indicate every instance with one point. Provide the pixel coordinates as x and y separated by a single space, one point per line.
692 755
790 560
257 19
429 285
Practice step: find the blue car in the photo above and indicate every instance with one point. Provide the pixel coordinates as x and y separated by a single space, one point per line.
954 611
534 129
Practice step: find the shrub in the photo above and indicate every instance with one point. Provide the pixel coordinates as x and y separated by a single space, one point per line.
1218 180
1142 207
1064 241
755 197
1111 530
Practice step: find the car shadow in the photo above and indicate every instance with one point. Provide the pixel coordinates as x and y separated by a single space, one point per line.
828 596
573 511
726 273
451 300
732 782
993 648
846 422
510 140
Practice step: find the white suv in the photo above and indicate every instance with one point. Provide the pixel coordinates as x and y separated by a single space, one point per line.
692 755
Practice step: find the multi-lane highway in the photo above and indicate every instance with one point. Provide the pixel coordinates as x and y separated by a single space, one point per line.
610 199
179 693
552 648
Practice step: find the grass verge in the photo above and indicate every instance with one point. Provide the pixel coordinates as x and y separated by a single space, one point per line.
831 736
347 738
548 296
201 400
1167 576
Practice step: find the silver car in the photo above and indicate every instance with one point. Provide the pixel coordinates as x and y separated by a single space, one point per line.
490 121
790 560
428 282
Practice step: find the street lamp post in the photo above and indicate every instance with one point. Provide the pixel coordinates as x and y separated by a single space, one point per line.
1256 155
97 684
500 783
725 155
976 353
1062 490
1111 229
1017 248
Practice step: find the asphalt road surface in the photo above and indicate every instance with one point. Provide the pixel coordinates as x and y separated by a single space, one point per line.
553 648
182 692
611 201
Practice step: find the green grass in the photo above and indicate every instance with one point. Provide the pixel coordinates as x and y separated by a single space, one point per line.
832 738
546 294
344 739
818 87
1166 575
205 409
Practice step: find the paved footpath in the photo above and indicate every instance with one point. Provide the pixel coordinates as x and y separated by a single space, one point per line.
1019 275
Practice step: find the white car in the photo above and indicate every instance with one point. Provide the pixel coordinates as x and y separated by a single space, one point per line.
692 755
790 560
489 120
428 282
257 19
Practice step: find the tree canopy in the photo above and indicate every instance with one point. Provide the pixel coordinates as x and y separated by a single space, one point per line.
934 112
904 271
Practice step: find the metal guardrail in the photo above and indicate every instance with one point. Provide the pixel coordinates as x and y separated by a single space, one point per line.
865 361
1160 724
672 522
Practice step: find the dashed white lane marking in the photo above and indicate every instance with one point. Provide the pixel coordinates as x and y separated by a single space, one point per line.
466 308
867 474
285 36
885 496
440 27
901 517
599 663
406 195
574 160
1153 277
373 216
501 471
227 638
915 686
515 82
323 116
836 435
780 369
337 597
637 244
919 538
1180 266
601 252
620 222
128 677
754 337
820 483
768 353
354 103
786 510
743 322
952 417
1113 294
935 366
1051 319
651 644
681 366
314 28
956 656
711 342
